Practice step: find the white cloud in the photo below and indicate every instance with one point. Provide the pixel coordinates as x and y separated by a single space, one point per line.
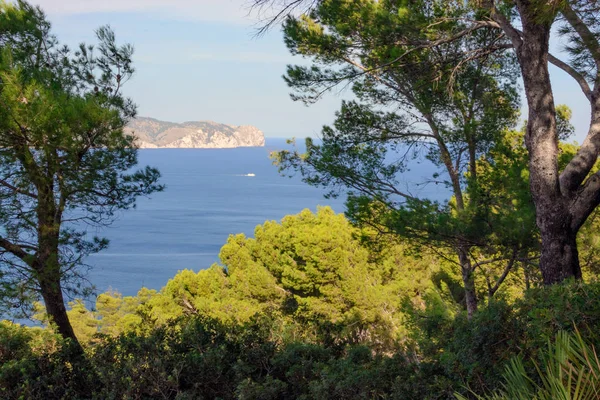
231 11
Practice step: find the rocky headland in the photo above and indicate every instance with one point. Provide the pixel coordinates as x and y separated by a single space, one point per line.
152 134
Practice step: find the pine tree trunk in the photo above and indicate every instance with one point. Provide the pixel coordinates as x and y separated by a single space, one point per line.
55 306
468 281
85 378
559 259
49 276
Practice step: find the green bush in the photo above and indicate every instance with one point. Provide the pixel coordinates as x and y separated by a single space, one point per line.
545 311
570 370
36 364
196 357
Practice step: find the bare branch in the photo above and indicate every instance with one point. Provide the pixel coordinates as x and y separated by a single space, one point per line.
286 8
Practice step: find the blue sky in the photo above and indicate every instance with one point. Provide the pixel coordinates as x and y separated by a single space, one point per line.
200 60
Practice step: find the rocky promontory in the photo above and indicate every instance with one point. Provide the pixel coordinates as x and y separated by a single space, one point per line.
152 133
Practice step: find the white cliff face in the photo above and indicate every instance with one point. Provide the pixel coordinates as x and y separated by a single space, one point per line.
146 145
153 134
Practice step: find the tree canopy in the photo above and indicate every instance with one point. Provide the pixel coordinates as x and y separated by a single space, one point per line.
65 162
314 274
563 198
404 111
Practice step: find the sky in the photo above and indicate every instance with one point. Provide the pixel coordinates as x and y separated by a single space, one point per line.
202 60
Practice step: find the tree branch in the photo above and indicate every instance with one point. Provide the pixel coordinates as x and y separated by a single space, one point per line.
586 201
14 249
587 37
580 166
17 190
287 7
503 23
585 87
507 269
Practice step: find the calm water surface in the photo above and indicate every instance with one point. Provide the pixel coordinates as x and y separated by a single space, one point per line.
208 197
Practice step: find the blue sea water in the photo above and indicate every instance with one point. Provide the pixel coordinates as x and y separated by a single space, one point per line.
209 196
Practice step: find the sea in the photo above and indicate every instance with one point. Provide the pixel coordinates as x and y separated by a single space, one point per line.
210 194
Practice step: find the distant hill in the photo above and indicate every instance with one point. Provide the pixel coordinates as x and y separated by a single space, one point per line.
152 133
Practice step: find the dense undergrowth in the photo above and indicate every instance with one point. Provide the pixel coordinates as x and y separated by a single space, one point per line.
300 313
199 357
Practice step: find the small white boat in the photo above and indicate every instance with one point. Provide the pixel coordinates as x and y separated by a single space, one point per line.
250 174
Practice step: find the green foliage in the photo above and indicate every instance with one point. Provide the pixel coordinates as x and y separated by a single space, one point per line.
201 358
113 315
313 271
64 157
414 103
511 210
545 311
303 371
197 356
38 364
82 320
320 278
569 370
473 353
118 314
